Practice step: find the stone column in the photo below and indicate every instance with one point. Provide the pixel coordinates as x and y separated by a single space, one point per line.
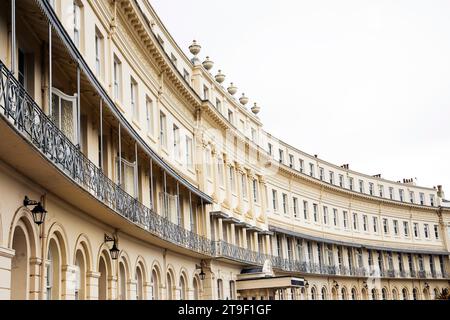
92 279
68 282
251 198
268 246
35 278
220 230
6 256
112 287
132 289
263 199
244 238
227 201
239 172
215 173
148 291
233 234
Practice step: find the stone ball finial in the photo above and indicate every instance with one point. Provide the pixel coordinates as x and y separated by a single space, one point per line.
220 77
243 100
232 89
208 64
195 48
256 109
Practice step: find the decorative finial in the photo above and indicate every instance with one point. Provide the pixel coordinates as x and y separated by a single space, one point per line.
232 89
243 100
256 109
208 64
220 77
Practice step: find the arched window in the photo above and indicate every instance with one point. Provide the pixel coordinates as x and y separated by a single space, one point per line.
324 293
405 294
415 296
384 294
155 285
354 294
344 294
139 284
219 289
232 290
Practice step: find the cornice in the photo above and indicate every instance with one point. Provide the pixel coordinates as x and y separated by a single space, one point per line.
355 195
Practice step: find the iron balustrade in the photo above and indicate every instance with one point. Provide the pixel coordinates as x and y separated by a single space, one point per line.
28 119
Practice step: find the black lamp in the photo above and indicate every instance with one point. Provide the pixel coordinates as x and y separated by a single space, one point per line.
38 212
202 273
114 251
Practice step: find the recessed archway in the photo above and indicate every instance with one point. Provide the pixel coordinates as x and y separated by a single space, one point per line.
20 265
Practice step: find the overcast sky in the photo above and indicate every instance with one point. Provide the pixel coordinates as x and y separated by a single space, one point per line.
359 82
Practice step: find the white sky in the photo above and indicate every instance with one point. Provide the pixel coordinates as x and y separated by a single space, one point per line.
354 81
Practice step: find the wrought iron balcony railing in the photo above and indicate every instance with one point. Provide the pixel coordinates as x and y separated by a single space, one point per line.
28 119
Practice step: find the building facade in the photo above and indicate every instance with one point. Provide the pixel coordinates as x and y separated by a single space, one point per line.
130 144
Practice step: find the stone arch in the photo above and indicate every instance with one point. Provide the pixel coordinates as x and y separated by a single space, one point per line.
82 261
395 293
106 269
170 283
183 284
59 283
334 294
354 293
405 294
313 293
324 293
156 280
344 293
140 275
197 287
384 293
24 215
83 243
123 276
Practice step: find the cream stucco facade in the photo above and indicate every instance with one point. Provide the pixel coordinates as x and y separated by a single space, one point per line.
116 131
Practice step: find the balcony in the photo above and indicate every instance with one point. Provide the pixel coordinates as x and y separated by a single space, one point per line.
22 113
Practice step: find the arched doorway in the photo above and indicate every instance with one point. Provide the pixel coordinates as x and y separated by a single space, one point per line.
170 295
53 271
122 281
183 288
155 285
139 284
20 265
80 276
105 270
196 286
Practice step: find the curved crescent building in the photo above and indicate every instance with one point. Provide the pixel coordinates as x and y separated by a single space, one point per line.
130 170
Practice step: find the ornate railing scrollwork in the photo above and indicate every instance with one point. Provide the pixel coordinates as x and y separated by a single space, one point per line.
32 123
